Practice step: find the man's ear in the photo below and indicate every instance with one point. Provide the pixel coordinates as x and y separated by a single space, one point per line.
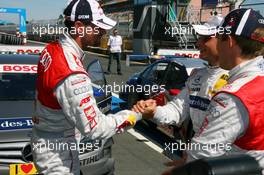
79 26
231 41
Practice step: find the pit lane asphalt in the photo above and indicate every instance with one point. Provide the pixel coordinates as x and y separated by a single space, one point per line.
132 155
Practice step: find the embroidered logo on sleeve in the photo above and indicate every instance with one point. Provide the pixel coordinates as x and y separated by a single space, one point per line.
222 81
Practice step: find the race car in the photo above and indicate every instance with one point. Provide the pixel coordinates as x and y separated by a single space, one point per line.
17 94
163 78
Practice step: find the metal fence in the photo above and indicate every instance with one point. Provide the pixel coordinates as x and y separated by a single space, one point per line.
10 39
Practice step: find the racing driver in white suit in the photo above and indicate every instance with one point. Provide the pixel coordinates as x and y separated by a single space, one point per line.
65 98
234 122
202 84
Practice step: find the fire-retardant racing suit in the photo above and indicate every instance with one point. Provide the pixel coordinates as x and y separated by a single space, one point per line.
65 102
234 121
194 99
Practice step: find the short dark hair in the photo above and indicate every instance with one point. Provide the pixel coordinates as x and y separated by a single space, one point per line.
251 48
68 24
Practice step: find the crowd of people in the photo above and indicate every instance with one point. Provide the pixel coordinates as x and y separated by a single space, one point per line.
225 100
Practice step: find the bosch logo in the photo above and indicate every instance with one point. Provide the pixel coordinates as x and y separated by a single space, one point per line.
28 51
81 90
19 68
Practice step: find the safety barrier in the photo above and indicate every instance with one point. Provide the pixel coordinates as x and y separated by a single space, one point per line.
10 39
225 165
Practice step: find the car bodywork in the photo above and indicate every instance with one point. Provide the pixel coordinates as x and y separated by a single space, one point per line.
170 72
17 92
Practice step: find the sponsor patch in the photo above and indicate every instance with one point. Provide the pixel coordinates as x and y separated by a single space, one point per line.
199 102
45 59
91 159
197 79
83 16
18 68
261 66
90 115
195 89
222 81
81 90
78 81
227 87
85 101
214 112
220 101
22 169
261 21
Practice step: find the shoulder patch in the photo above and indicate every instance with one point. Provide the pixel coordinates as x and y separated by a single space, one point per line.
220 83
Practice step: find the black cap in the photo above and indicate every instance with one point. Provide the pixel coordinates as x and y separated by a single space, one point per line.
88 10
244 22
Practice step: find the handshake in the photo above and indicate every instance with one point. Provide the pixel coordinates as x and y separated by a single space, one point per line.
146 108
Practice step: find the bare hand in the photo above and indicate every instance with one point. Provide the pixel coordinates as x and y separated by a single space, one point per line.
146 108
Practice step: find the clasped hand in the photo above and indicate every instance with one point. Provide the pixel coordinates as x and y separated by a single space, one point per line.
146 108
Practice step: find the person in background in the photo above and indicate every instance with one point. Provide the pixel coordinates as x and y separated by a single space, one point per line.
115 47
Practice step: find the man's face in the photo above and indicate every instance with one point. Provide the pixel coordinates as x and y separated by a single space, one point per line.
115 32
92 36
207 47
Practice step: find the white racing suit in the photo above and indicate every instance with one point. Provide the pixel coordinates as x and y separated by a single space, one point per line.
234 122
194 99
65 102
